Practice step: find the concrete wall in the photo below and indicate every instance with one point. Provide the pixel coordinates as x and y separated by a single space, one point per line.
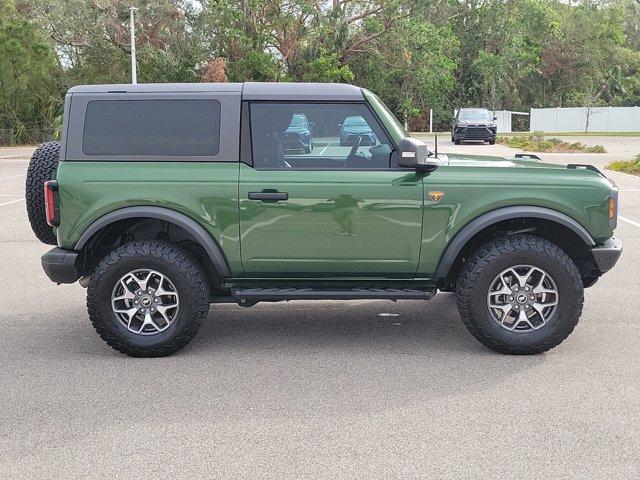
601 119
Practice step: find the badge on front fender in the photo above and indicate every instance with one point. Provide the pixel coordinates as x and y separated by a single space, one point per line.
436 196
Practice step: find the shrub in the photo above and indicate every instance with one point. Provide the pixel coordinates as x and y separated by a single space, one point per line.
627 166
537 142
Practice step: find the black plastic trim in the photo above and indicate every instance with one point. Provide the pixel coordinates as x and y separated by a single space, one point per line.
268 196
495 216
607 254
527 155
322 294
194 228
60 265
586 166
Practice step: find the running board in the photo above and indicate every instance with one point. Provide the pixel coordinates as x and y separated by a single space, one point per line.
258 294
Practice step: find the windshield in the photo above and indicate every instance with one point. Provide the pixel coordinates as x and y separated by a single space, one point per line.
474 115
297 121
355 122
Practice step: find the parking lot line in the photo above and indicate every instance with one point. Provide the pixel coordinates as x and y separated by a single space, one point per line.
632 222
13 176
19 200
323 150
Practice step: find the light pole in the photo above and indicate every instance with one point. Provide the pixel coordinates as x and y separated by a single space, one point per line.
132 27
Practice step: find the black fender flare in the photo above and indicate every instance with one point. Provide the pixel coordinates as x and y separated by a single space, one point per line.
204 238
487 219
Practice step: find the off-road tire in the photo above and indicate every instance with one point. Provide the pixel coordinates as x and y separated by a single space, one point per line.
499 254
42 168
456 142
168 259
492 142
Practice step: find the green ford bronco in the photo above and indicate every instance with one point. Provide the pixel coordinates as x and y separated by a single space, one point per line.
162 199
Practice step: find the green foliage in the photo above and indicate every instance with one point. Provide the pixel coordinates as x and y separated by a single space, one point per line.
537 142
417 56
327 68
627 166
30 94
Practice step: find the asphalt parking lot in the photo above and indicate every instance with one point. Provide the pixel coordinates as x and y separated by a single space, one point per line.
362 389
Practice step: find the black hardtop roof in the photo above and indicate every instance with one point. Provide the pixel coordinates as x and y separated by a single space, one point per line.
249 90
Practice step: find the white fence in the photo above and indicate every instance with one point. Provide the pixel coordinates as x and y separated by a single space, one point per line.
582 119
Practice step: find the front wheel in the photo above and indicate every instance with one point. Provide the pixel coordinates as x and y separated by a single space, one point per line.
520 294
147 299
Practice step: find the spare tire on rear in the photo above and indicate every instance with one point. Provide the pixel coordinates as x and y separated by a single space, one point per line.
42 167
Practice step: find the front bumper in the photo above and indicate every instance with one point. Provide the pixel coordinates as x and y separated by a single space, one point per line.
60 265
607 254
474 133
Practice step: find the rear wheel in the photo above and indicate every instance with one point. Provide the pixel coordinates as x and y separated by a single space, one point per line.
42 168
520 295
147 299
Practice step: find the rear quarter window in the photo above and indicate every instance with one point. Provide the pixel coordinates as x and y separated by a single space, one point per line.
189 127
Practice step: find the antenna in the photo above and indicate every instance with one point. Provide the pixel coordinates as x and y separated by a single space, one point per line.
436 142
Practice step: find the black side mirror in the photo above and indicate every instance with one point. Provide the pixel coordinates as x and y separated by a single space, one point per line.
414 154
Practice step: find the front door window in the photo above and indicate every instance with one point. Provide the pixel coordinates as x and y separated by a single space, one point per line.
317 136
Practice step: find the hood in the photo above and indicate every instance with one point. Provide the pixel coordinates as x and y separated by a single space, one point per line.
356 129
296 130
461 160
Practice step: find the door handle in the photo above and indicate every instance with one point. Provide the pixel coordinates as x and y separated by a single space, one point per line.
268 196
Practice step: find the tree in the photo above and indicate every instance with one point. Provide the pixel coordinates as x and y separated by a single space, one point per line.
29 89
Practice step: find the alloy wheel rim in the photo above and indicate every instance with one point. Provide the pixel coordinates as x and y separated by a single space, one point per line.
145 301
522 298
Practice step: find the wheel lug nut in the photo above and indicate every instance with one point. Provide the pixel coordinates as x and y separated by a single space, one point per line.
511 299
136 302
516 307
157 300
526 288
142 310
532 297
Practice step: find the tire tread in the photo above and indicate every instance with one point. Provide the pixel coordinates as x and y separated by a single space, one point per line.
179 260
42 167
492 251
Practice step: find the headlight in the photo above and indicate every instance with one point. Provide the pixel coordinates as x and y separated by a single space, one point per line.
491 124
462 124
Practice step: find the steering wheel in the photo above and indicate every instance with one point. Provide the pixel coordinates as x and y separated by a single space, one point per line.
353 154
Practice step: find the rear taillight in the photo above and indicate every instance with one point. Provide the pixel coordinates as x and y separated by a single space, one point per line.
51 203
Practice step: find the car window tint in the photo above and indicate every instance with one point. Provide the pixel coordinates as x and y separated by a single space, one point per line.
152 127
317 136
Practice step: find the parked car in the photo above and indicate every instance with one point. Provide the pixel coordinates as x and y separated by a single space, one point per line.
474 124
356 127
160 219
299 134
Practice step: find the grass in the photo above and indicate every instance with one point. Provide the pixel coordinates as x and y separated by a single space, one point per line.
626 166
583 134
537 142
